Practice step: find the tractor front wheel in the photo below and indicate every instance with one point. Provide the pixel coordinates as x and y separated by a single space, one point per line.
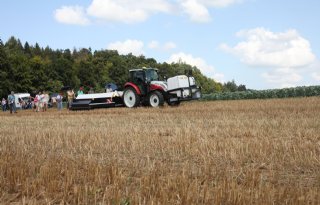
130 97
156 99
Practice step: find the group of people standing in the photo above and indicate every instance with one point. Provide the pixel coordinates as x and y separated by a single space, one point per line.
41 100
38 103
70 97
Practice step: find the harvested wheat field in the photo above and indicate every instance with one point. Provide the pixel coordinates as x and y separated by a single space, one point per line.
222 152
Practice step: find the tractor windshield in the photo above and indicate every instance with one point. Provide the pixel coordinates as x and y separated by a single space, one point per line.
152 75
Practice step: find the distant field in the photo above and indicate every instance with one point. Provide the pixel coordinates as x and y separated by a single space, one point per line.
221 152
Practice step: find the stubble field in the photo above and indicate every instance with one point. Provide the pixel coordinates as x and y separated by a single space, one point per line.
223 152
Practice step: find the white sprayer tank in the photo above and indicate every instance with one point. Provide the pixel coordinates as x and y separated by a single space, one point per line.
178 82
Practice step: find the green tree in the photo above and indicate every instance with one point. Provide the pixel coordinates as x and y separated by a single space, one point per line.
242 87
39 77
14 45
27 49
86 74
230 86
5 82
119 71
54 86
101 69
36 51
64 71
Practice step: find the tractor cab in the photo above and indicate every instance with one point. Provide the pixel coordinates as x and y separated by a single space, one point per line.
145 74
143 78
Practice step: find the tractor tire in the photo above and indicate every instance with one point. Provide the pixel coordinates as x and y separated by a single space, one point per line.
130 97
156 99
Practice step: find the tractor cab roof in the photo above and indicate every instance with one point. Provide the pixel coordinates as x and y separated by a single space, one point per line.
142 69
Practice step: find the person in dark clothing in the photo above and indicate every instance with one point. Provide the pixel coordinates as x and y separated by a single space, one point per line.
4 104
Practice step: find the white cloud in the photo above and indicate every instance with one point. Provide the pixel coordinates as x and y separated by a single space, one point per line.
283 77
194 61
316 70
264 48
169 46
196 11
153 45
165 47
129 46
219 77
285 54
316 76
201 64
136 47
132 11
219 3
127 11
71 15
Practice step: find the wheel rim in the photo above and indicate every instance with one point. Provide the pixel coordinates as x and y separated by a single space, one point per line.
154 100
129 98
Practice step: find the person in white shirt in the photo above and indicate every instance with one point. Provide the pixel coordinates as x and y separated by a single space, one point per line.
37 102
45 101
59 101
41 102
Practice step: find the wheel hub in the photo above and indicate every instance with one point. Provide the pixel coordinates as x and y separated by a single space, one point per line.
154 100
129 98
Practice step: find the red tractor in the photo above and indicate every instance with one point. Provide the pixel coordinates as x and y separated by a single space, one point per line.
145 88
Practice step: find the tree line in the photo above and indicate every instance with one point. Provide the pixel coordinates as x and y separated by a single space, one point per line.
31 68
300 91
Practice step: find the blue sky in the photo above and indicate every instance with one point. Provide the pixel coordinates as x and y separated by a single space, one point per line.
260 43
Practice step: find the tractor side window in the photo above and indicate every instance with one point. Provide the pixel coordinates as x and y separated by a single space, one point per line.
139 76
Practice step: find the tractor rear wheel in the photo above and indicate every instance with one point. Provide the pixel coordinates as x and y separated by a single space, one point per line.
156 99
130 97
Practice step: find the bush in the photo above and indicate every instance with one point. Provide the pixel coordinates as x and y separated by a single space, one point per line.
303 91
